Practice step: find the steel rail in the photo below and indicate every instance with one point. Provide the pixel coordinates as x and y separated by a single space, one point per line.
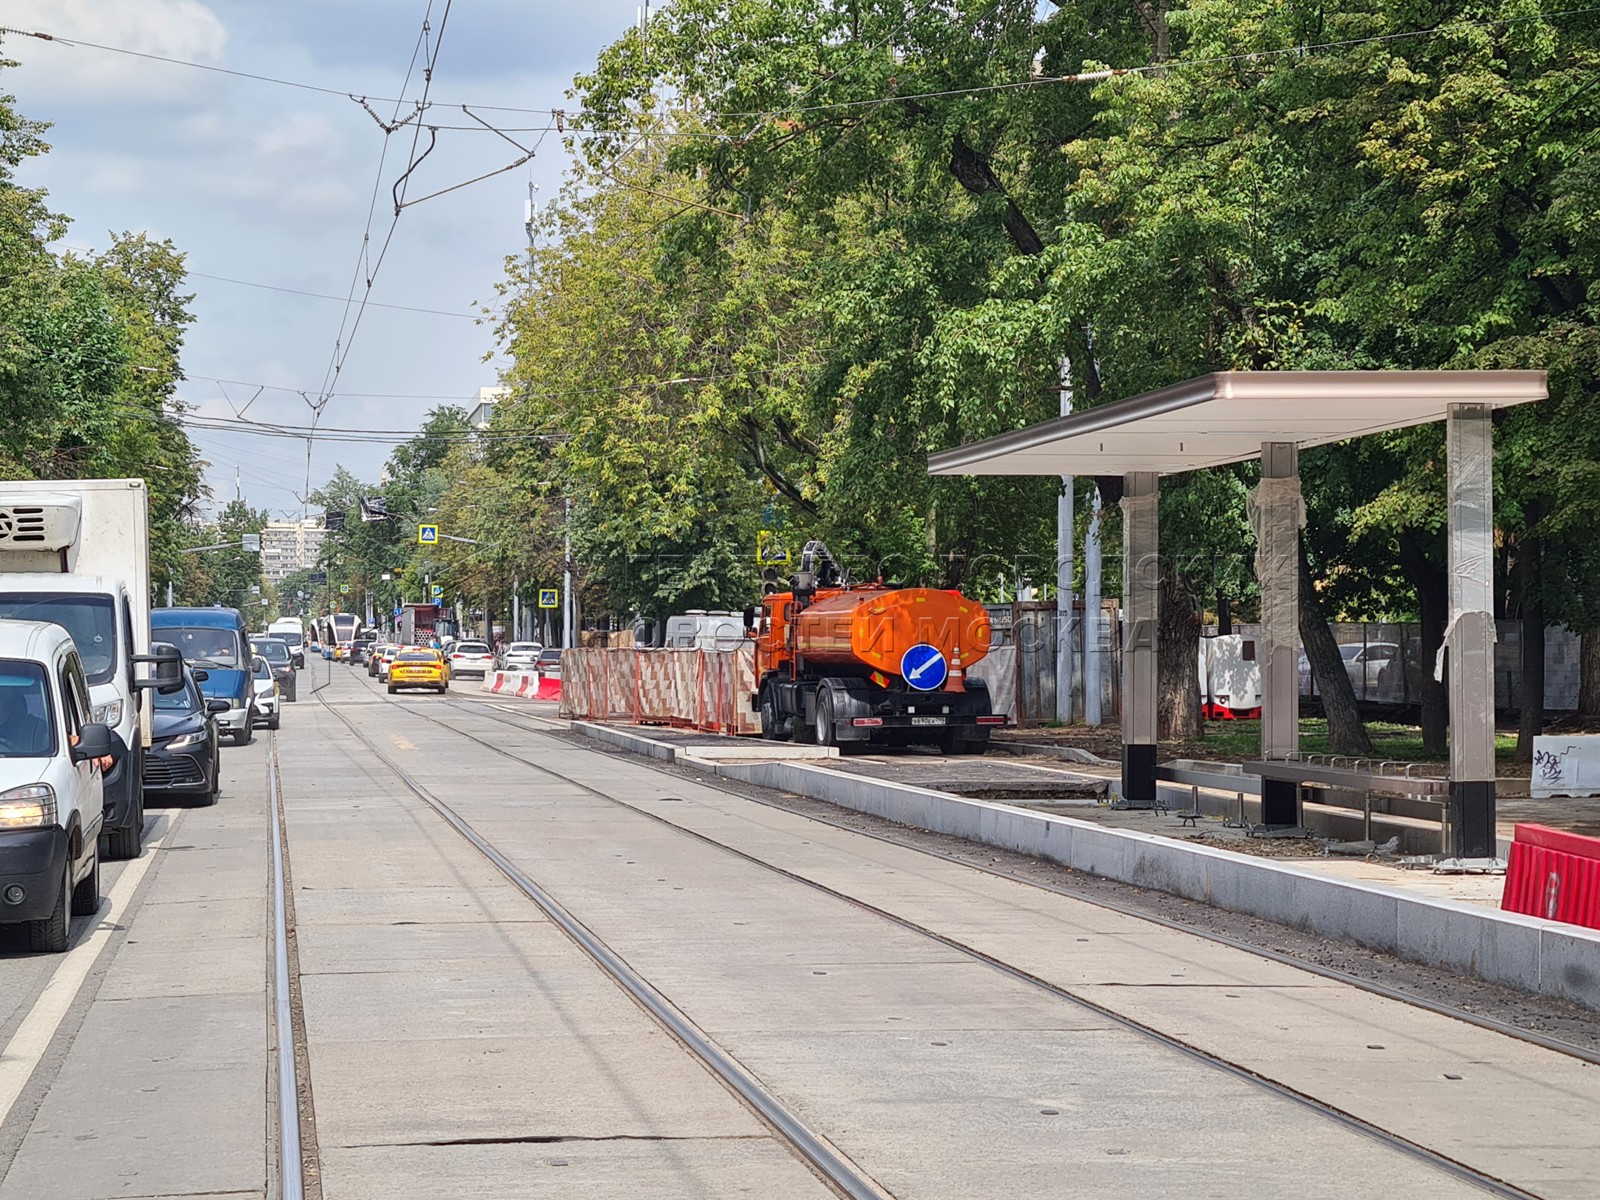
830 1163
1334 974
1355 1124
291 1177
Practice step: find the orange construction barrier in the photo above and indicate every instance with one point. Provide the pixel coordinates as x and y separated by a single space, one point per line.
1554 874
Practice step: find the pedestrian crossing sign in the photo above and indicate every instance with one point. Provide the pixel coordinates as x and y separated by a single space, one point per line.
427 535
437 591
549 598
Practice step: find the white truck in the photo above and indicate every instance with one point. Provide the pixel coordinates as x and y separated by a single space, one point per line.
76 553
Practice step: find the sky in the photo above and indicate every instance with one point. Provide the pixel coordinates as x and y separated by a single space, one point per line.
271 185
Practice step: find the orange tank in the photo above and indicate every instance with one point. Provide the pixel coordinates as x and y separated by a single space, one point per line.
873 627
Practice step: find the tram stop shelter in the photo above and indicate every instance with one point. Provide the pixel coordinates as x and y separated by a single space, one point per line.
1238 416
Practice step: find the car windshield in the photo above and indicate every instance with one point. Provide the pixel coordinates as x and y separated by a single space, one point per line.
90 620
276 653
471 648
1349 653
27 726
290 638
204 647
549 656
523 648
182 701
417 657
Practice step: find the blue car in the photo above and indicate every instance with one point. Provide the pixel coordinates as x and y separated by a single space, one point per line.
214 640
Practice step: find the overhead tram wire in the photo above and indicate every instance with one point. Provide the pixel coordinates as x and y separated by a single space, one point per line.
336 361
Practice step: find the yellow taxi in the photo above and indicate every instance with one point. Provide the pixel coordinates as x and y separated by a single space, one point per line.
418 667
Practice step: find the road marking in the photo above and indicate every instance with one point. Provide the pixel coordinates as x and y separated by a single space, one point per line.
33 1036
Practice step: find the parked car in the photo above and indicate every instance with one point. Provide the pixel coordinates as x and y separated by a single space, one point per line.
520 656
415 668
185 751
52 790
386 659
549 662
471 659
266 694
374 657
280 657
213 639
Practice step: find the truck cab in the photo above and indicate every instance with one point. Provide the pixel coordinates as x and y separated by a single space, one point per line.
76 553
52 787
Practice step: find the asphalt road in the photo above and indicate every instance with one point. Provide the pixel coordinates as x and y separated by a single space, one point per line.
941 1031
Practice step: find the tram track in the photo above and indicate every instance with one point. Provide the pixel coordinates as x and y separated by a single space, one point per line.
1454 1168
844 1176
1322 970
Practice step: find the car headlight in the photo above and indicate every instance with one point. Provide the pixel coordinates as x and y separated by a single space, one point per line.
109 713
30 807
188 741
236 705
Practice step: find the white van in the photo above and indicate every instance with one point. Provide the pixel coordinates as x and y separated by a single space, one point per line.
52 802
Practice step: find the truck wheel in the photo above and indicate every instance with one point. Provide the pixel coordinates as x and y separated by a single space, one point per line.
822 724
86 896
771 724
49 935
128 842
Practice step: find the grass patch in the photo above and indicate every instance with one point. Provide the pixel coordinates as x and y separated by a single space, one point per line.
1400 743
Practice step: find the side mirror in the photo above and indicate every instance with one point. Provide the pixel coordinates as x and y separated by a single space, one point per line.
298 661
216 706
167 677
750 619
200 674
94 741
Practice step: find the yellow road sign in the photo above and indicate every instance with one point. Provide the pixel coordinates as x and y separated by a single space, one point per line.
427 535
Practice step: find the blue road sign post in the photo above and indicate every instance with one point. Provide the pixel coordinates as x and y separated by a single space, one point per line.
924 668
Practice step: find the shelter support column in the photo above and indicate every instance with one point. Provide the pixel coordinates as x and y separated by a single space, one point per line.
1470 636
1141 593
1276 517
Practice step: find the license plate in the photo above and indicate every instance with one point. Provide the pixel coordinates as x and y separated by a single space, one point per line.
927 720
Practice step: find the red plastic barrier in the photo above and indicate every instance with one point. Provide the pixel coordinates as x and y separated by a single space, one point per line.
549 689
1555 875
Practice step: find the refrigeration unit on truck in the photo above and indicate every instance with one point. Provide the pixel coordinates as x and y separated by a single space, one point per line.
76 553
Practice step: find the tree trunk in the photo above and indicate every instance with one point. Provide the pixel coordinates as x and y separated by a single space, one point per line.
1530 722
1427 575
1346 732
1589 674
1177 656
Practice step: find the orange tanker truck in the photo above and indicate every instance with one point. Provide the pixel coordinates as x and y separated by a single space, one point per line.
858 665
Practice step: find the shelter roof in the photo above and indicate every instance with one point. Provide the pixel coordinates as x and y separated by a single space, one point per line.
1226 416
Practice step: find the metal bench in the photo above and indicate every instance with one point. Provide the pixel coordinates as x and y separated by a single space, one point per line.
1283 782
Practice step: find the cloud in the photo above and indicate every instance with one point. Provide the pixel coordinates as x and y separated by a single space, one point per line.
183 29
299 135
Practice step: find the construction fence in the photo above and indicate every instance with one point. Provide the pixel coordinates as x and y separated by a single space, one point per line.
694 689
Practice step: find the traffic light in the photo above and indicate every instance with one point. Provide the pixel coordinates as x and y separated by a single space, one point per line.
333 521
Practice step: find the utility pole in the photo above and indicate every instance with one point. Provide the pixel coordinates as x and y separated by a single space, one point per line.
1064 572
566 578
1093 649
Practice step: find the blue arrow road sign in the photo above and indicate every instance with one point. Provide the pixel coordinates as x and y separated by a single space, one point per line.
924 667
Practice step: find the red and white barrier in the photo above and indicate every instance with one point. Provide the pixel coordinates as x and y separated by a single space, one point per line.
525 685
1555 875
